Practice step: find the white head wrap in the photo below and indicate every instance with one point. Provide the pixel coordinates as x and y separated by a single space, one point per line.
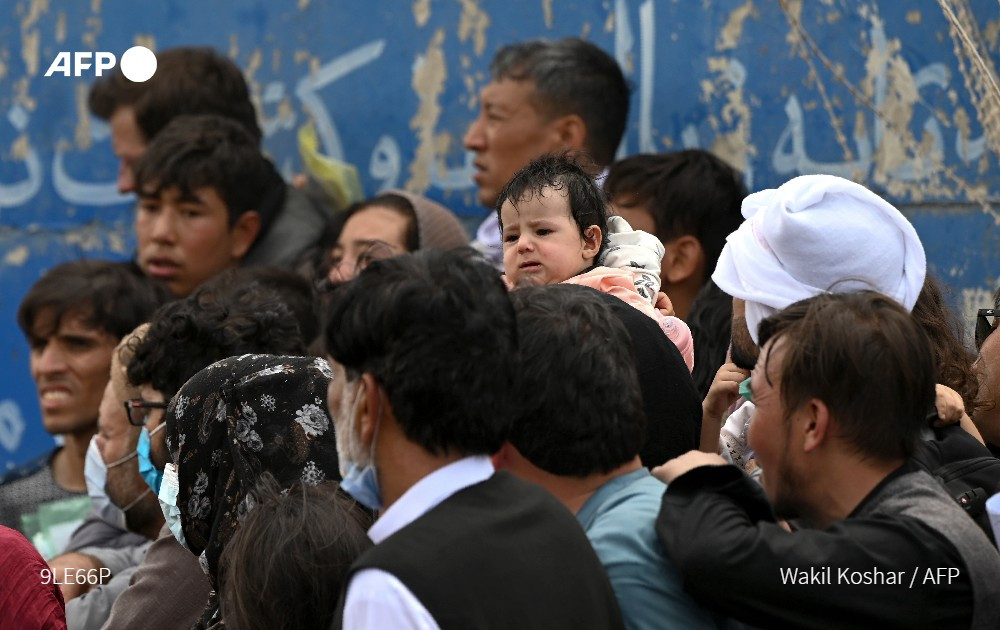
818 234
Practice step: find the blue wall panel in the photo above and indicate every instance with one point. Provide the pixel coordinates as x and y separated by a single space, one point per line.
874 91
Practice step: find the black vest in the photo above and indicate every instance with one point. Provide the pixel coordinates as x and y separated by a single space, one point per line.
502 553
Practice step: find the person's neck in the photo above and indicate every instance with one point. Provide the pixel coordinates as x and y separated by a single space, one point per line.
843 486
68 463
574 492
401 464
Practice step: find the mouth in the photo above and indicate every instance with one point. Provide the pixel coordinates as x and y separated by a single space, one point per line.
53 397
162 267
530 266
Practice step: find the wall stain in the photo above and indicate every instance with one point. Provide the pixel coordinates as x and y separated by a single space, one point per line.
913 17
17 256
421 12
60 27
547 12
81 133
429 75
473 22
733 30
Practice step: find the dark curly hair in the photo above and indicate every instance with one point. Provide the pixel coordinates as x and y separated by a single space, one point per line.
946 333
221 319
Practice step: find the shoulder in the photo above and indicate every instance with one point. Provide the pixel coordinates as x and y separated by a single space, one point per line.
30 468
377 599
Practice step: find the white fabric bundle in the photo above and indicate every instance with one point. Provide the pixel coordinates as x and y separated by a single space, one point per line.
817 234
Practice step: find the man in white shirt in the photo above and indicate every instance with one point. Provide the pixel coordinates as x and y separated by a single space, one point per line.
423 348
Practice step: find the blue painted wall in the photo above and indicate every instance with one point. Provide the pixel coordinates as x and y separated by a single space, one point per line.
871 90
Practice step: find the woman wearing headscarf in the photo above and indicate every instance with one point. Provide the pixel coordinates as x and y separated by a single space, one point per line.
226 427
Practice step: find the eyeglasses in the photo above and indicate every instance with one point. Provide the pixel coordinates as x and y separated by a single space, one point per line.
986 323
134 407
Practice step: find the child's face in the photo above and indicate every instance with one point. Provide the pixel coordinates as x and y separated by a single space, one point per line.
185 240
542 242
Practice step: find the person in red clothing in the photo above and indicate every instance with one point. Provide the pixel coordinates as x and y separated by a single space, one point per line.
29 593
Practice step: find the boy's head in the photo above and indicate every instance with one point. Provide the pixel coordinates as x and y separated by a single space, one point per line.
553 218
72 318
188 80
201 184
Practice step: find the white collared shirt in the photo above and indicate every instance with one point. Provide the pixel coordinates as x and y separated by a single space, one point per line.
376 599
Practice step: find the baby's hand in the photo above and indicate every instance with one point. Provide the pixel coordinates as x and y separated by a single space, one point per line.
664 305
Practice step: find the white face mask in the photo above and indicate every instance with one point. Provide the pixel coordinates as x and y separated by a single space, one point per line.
168 502
96 474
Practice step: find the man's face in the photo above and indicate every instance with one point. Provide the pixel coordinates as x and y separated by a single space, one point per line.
185 240
369 234
508 133
541 241
128 144
70 362
744 352
987 369
116 438
770 435
340 403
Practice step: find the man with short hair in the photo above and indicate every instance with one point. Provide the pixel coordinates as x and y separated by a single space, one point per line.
72 318
196 81
544 97
578 432
987 369
423 348
890 547
690 200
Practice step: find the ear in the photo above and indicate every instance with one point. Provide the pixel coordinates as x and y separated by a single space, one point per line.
369 408
816 425
244 233
592 239
570 132
683 258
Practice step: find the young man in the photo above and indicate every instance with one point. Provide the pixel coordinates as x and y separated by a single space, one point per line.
690 200
544 97
878 531
202 187
197 81
72 318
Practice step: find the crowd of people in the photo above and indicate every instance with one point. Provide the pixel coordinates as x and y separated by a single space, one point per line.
640 397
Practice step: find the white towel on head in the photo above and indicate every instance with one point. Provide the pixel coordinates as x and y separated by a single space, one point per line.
818 234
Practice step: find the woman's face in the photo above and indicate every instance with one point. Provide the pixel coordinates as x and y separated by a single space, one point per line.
370 234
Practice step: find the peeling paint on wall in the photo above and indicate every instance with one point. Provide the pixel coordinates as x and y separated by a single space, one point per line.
913 17
732 142
147 40
234 46
473 22
81 134
733 30
16 257
429 75
547 12
61 27
421 12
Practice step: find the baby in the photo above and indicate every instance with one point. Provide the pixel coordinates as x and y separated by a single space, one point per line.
554 224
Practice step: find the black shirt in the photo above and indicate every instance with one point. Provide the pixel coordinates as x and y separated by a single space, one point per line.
886 570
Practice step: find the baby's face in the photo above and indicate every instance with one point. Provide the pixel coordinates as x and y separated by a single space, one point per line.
542 242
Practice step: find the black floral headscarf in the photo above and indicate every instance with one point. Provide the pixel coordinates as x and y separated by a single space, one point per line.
233 421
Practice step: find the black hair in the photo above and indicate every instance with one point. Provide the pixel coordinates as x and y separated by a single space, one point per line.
188 80
436 329
300 541
572 76
210 151
587 202
114 297
686 192
833 344
579 403
221 319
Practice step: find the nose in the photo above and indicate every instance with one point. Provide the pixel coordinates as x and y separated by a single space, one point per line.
524 244
50 360
342 271
163 226
126 178
474 139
